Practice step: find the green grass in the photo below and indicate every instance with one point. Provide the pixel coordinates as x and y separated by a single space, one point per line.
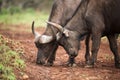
24 17
10 58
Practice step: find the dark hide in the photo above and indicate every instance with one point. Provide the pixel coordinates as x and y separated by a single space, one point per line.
87 53
97 18
62 11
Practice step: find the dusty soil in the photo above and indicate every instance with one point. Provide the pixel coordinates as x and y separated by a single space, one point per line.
104 68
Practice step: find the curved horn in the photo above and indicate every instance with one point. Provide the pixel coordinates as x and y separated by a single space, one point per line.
36 34
41 38
59 27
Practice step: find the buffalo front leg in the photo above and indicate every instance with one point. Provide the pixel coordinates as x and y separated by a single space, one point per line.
71 62
95 47
51 57
73 52
50 60
114 49
87 53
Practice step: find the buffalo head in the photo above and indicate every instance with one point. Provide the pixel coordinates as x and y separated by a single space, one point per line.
46 46
68 39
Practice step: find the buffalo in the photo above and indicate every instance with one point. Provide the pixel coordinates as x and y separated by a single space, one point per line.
95 18
62 11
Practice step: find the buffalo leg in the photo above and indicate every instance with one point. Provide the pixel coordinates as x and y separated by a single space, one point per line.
51 57
95 47
114 49
71 62
87 54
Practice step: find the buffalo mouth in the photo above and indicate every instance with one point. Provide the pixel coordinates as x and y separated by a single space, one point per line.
73 53
44 62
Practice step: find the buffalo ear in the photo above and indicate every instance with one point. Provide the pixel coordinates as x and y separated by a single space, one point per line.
66 32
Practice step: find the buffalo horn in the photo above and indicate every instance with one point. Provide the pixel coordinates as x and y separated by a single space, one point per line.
45 39
41 38
36 34
59 27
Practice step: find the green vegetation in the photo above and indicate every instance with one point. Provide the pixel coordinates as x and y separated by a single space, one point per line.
18 16
10 60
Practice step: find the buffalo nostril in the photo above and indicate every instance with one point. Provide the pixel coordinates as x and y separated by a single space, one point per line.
73 52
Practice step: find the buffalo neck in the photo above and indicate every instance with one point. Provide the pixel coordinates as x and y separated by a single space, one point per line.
78 23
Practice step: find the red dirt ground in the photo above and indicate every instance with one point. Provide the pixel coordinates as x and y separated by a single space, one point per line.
104 68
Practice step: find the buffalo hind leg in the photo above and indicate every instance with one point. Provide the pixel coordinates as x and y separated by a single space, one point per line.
95 47
87 53
114 49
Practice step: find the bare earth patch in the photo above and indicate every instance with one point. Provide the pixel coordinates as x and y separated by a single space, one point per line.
104 68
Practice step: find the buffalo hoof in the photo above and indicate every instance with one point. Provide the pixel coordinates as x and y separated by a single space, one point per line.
40 62
48 64
71 62
89 66
72 65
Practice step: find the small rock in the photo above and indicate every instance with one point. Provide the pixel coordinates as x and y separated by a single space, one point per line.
25 77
